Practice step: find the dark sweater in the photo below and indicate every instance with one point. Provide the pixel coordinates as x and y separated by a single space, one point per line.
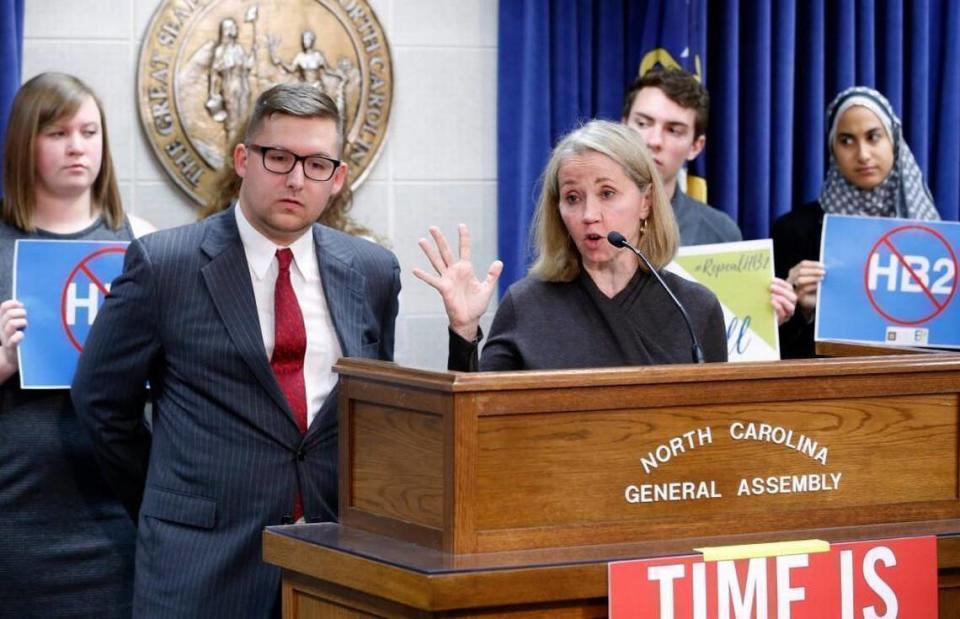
66 543
796 237
555 325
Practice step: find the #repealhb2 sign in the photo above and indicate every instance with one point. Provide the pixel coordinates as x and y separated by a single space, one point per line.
62 285
890 281
739 274
857 580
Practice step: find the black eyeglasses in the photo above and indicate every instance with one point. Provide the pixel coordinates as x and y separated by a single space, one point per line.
279 161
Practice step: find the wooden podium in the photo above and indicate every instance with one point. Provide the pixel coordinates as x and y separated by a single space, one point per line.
506 494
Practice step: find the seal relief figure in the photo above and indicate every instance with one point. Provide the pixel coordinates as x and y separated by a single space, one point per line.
203 62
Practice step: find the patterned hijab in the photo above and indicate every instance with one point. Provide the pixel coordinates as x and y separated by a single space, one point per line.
902 194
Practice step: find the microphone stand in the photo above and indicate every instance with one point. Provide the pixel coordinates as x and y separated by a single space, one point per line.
618 240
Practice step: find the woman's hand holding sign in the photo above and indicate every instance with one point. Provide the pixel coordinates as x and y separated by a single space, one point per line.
805 277
784 299
13 320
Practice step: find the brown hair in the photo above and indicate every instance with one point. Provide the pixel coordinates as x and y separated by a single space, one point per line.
294 99
557 257
681 87
45 99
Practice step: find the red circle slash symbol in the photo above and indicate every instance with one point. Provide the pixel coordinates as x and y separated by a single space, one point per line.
886 241
84 267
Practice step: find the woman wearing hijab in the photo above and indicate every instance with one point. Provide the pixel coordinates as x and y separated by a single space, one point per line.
872 173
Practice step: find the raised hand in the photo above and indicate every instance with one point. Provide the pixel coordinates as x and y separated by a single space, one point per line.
13 320
805 276
465 298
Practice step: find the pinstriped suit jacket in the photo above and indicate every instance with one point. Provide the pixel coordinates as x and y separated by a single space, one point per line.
225 457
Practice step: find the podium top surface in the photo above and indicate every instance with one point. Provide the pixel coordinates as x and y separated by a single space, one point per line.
430 562
647 375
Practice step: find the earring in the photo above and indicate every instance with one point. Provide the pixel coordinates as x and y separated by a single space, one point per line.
643 227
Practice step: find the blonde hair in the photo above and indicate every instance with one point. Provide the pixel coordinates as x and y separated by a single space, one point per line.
557 257
45 99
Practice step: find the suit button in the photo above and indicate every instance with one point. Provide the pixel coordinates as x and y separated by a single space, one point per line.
301 455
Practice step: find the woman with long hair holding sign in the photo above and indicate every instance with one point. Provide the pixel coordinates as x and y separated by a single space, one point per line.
66 544
873 173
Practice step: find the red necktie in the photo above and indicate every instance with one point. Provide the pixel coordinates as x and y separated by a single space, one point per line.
289 347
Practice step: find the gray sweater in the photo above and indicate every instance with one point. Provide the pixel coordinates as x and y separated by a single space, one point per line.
701 224
55 508
555 325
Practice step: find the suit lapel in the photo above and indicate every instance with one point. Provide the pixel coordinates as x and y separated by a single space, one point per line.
227 277
343 288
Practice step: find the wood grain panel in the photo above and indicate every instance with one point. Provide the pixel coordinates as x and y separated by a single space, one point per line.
398 460
310 607
948 583
372 371
331 569
550 470
513 460
310 598
419 534
575 589
396 395
844 349
585 609
756 390
460 508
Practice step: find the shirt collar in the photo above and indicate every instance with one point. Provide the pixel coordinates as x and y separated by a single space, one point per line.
261 251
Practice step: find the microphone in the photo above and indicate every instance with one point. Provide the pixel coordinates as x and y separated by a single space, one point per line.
618 240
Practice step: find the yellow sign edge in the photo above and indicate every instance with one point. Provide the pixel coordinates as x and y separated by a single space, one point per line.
771 549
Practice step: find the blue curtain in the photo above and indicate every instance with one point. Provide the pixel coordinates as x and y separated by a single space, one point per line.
560 61
11 56
771 67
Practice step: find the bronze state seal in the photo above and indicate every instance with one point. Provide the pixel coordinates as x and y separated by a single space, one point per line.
203 63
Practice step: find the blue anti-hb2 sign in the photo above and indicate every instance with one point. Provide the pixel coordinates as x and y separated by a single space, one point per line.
889 281
62 285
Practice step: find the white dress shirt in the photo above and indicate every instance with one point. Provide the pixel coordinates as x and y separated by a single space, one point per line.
323 347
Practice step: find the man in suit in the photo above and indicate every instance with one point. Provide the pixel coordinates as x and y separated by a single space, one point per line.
235 322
